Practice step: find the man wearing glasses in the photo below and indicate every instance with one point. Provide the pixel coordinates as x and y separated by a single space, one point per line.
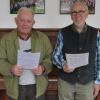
76 56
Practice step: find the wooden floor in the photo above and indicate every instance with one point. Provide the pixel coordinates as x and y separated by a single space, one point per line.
49 96
52 95
3 95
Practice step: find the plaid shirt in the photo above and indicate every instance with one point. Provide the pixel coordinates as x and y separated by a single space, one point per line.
59 61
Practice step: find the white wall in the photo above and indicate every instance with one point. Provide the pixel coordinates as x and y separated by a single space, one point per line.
51 18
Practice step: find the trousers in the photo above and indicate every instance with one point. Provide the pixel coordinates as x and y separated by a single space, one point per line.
28 92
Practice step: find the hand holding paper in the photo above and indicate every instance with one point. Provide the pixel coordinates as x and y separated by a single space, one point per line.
16 70
68 69
39 70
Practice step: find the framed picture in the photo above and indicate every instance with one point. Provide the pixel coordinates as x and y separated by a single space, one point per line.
65 6
38 6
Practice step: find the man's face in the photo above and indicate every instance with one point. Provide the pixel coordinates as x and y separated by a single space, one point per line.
79 14
24 22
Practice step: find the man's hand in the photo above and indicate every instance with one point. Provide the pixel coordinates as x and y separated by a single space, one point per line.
16 70
68 69
38 70
96 89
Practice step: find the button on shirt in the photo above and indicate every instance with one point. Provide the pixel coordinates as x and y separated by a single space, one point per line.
59 61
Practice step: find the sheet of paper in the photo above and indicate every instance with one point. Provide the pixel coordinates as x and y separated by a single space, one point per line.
77 60
28 60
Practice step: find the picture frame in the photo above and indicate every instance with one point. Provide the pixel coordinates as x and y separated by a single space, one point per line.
65 6
38 6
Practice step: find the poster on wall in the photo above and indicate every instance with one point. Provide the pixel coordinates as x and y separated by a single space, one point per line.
65 6
38 6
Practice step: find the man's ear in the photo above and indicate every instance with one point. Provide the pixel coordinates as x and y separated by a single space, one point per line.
33 21
87 13
16 20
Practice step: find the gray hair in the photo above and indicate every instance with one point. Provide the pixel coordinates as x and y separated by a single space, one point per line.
82 2
25 9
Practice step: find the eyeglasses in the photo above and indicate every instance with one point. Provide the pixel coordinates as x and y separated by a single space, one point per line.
80 12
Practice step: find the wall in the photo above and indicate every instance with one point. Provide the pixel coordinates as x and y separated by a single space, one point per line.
51 18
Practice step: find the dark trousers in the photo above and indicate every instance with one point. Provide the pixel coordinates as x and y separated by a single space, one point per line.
28 92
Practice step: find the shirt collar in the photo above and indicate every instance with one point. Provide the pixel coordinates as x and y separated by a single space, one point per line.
84 29
23 38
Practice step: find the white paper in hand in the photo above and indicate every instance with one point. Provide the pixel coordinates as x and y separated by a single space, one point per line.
28 60
77 60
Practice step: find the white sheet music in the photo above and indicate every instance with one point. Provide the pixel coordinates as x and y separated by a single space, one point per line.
77 60
28 60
